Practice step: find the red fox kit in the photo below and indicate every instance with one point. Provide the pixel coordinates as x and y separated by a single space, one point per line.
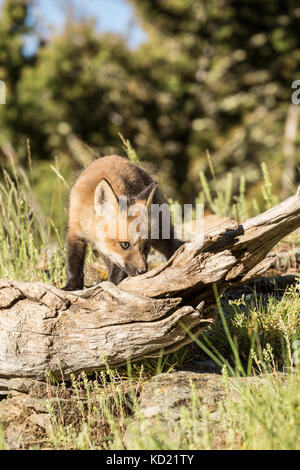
97 205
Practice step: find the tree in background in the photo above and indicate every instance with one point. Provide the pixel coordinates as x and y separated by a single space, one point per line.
79 87
13 28
222 71
212 75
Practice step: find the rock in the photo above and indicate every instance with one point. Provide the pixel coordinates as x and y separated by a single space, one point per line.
24 385
20 432
11 409
25 418
163 398
165 394
43 420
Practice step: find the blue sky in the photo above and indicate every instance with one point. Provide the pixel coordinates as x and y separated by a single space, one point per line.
111 15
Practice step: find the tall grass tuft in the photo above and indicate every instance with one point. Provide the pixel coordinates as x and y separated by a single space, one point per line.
26 235
129 150
221 200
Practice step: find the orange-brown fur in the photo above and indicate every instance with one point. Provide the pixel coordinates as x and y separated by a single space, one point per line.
125 179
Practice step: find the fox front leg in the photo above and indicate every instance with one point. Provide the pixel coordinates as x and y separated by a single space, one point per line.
76 249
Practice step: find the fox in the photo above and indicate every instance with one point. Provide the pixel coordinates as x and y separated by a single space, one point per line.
97 203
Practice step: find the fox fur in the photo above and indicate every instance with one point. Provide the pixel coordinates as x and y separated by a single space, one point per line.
96 192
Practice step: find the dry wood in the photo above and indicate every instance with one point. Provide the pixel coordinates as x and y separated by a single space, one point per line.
44 329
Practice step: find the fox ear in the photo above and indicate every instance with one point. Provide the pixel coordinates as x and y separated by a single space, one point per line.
104 197
147 194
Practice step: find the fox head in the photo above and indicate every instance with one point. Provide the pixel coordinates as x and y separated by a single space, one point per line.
123 227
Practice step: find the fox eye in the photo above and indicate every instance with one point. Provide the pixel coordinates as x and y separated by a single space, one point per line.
125 245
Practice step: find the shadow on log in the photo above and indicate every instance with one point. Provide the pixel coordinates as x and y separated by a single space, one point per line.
44 329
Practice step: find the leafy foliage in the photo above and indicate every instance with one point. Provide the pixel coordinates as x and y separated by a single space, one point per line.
212 75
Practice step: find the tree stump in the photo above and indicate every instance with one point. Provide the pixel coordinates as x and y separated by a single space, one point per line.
44 329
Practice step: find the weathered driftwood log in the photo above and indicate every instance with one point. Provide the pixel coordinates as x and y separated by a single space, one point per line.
44 329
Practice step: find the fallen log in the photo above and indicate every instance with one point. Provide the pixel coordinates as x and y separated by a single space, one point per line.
44 329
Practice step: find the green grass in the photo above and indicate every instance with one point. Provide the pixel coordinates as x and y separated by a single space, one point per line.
105 414
264 417
219 197
248 338
25 232
264 329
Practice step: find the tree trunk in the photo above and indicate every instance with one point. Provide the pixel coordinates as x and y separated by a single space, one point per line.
44 329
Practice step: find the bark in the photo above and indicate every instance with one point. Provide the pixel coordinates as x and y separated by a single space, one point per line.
44 329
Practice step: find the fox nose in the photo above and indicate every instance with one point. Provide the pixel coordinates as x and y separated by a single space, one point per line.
142 270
